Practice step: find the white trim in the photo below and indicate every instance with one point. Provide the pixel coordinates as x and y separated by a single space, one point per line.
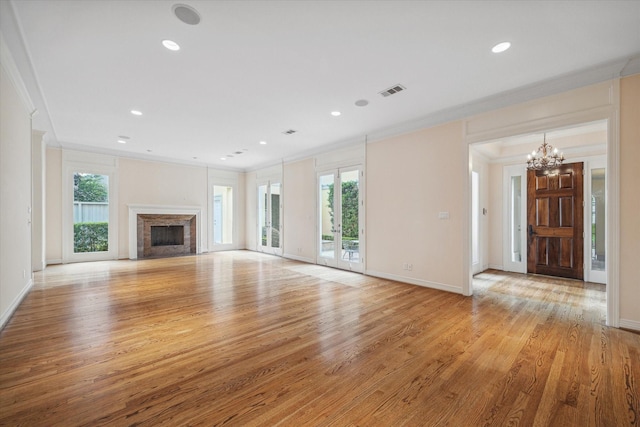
54 261
613 208
496 267
7 62
584 105
413 281
299 258
14 304
74 161
629 324
508 172
135 210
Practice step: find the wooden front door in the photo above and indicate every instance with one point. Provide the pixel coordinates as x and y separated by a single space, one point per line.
555 221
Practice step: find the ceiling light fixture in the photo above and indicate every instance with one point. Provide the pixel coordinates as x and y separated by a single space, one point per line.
546 157
171 45
122 141
362 103
223 158
335 113
263 142
136 112
501 47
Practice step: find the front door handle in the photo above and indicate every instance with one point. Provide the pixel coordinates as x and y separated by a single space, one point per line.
531 233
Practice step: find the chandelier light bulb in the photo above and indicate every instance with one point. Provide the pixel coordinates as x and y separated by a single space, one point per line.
546 157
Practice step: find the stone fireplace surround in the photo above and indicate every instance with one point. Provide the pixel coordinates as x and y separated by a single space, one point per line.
142 217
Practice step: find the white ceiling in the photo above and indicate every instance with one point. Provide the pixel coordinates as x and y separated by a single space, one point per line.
253 69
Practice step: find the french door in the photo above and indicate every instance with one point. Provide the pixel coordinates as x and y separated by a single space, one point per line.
340 224
269 217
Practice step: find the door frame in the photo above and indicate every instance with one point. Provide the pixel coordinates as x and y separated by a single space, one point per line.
338 261
268 182
595 276
599 101
95 164
508 172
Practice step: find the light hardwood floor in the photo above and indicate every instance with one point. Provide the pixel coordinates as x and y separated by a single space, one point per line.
245 339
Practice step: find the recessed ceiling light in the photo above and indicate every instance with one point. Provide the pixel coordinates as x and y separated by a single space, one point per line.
136 112
362 103
223 158
123 137
501 47
171 45
122 141
263 142
335 113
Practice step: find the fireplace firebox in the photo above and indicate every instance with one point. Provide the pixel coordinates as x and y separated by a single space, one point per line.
161 235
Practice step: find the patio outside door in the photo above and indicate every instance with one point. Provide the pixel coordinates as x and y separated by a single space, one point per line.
340 230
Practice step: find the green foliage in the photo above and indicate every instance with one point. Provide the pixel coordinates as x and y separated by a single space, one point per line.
349 209
89 188
91 237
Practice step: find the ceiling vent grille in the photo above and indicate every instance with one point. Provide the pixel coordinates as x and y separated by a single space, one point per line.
290 132
392 90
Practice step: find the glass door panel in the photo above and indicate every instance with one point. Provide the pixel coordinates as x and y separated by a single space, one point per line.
339 219
595 258
350 214
274 212
514 200
269 218
90 213
516 219
222 215
262 215
327 249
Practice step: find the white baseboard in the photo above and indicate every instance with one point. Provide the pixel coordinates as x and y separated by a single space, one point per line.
16 302
299 258
54 261
629 324
496 267
413 281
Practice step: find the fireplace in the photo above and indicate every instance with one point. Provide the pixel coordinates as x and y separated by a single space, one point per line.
159 231
169 235
163 235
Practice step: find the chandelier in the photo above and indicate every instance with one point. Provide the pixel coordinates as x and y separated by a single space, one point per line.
546 157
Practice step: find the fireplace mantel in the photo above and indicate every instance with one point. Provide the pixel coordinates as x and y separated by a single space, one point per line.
135 210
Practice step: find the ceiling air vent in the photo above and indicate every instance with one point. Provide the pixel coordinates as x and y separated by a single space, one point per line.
289 132
392 90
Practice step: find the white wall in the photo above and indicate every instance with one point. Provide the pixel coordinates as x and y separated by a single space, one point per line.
630 202
15 191
300 210
144 182
411 179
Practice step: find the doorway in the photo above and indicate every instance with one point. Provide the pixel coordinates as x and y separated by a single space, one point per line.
340 228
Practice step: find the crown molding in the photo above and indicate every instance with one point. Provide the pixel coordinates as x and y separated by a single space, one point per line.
563 83
10 67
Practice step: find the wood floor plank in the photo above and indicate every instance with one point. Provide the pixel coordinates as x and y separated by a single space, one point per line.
246 339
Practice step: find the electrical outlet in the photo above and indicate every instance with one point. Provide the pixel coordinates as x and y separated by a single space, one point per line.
409 267
405 266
